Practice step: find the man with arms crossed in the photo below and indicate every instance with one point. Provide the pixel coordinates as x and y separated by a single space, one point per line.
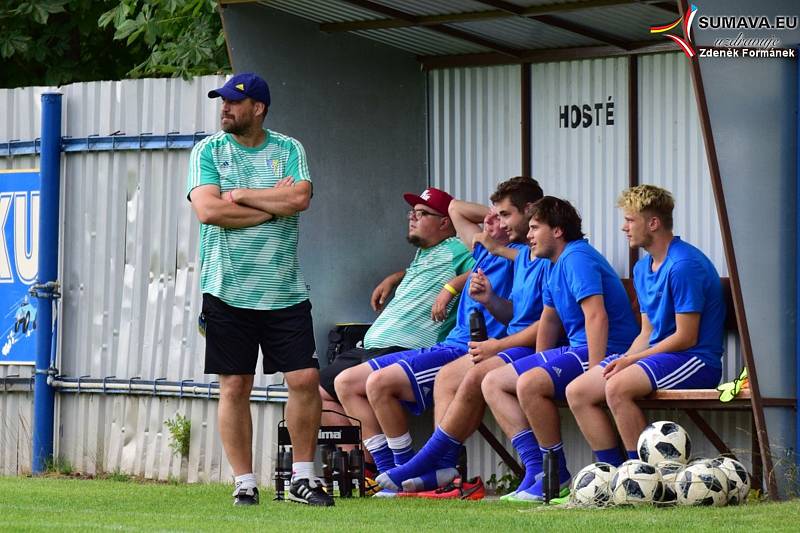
583 298
680 343
458 401
247 185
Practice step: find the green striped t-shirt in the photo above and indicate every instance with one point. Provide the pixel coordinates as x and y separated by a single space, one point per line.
406 321
255 267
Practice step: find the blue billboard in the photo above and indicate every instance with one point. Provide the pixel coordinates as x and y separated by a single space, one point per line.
19 265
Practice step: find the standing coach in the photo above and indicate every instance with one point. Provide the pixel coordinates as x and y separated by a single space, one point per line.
247 185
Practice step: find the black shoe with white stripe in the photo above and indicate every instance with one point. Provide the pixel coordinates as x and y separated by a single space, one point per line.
310 492
245 495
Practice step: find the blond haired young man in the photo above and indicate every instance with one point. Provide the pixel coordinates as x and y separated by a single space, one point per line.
680 343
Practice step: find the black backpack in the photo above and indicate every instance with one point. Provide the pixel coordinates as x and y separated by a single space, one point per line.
345 337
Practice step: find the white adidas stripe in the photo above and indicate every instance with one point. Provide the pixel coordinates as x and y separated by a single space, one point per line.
683 373
426 379
678 371
681 379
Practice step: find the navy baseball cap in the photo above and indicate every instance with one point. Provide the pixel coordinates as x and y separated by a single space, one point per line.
242 86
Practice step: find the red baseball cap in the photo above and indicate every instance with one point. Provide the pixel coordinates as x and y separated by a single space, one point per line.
434 198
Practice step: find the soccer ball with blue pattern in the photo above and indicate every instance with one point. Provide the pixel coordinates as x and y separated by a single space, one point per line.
738 479
592 485
636 482
702 484
664 441
669 471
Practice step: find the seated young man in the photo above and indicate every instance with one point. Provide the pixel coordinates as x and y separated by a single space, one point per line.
458 401
583 298
681 340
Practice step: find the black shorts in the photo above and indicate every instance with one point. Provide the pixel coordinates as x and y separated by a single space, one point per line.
233 336
349 359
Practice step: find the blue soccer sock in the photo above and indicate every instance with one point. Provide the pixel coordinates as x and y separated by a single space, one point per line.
536 491
430 480
381 454
401 448
439 448
450 458
611 456
528 449
633 454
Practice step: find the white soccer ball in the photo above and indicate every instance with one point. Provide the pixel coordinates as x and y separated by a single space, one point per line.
592 485
664 441
636 482
669 471
702 484
701 461
738 479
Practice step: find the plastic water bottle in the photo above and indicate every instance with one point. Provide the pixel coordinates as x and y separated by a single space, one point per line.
477 327
342 486
550 484
357 470
283 472
326 452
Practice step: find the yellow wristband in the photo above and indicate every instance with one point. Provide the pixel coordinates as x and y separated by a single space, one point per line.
449 288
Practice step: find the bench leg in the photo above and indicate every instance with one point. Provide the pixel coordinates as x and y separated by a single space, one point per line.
507 458
709 432
758 465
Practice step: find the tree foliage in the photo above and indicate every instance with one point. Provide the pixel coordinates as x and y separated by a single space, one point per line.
53 42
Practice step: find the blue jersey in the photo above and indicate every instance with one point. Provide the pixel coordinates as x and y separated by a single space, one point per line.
686 282
530 276
580 272
499 270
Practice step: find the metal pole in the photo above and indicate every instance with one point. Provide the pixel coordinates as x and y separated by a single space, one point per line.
49 165
797 270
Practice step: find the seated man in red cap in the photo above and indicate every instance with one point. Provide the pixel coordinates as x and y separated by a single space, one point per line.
421 312
380 391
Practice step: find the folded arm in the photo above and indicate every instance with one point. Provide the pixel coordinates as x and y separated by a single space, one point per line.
211 209
280 201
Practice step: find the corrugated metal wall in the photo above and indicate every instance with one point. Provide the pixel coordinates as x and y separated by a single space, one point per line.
130 287
16 429
671 152
474 129
584 160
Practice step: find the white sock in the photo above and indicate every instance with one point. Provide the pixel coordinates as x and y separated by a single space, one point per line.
400 443
246 480
303 470
375 442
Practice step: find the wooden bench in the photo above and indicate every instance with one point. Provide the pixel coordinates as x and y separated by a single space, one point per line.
691 401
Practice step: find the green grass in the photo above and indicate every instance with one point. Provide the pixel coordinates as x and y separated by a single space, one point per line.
58 504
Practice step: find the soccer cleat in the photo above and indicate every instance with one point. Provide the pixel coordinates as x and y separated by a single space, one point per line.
309 492
509 497
245 495
525 496
473 489
371 486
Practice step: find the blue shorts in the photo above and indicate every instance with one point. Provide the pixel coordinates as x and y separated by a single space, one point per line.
675 371
563 364
515 354
421 367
